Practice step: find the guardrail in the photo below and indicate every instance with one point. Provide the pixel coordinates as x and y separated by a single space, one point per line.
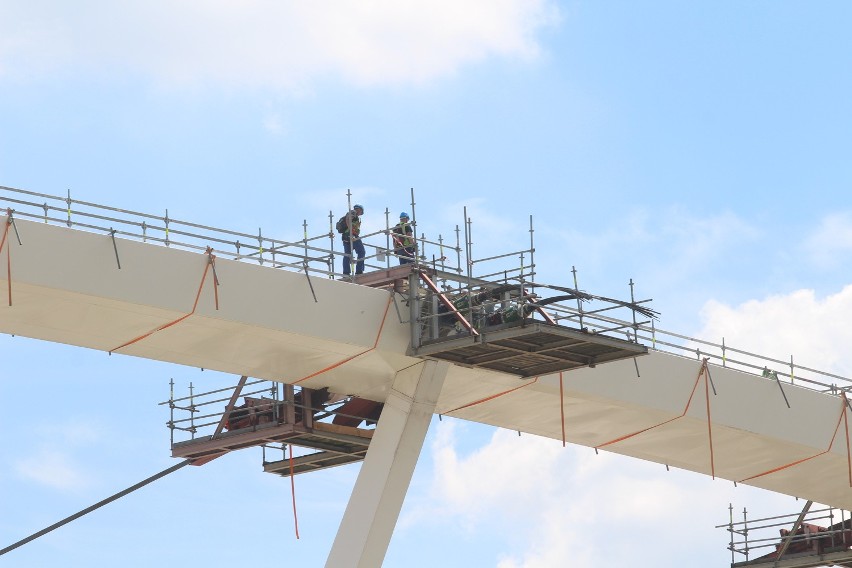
309 255
810 532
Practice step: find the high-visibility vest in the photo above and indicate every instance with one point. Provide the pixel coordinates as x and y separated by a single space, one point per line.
354 222
405 233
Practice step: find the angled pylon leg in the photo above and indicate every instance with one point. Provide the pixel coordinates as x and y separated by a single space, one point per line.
365 531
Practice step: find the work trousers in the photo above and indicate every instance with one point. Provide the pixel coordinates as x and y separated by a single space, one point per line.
347 256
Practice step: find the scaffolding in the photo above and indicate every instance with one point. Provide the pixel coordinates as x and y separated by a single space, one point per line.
808 539
515 299
492 313
328 430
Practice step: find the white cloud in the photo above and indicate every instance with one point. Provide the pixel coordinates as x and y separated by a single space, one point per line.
52 468
266 43
680 239
552 506
273 124
830 245
568 505
52 463
73 432
813 330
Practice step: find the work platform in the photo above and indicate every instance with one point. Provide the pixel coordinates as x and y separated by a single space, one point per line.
336 445
286 416
530 348
277 325
277 311
481 326
812 538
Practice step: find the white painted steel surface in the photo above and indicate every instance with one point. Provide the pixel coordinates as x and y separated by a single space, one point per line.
371 515
66 287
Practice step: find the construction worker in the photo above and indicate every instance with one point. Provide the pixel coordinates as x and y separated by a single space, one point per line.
351 240
403 239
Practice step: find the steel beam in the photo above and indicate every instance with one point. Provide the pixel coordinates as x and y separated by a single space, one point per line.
365 531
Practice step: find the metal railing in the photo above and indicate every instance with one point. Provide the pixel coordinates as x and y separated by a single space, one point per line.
198 414
310 256
816 530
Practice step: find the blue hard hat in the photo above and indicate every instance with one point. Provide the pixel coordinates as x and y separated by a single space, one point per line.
403 215
356 206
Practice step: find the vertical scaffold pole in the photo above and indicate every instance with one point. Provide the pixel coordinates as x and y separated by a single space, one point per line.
441 258
468 238
388 238
414 308
532 255
458 250
731 530
331 248
579 302
418 247
351 259
166 223
633 309
305 238
467 243
191 411
172 410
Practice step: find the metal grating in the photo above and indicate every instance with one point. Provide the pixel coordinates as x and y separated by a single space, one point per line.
337 445
530 348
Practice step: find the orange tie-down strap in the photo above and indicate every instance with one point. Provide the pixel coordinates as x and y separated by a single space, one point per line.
8 253
704 371
293 491
562 408
346 360
211 260
842 418
492 397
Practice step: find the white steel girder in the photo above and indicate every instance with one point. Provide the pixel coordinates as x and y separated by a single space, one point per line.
67 287
367 526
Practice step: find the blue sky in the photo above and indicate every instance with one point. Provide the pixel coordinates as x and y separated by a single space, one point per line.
699 148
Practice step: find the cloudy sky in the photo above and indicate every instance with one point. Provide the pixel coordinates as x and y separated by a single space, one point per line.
700 148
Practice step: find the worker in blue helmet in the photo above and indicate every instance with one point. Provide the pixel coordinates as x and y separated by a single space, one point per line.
403 239
351 236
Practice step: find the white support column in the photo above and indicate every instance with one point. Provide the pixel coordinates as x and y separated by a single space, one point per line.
365 531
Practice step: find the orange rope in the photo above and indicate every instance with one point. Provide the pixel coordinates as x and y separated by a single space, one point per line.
492 397
709 428
685 410
797 462
8 253
293 491
562 408
180 319
846 427
211 259
339 363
